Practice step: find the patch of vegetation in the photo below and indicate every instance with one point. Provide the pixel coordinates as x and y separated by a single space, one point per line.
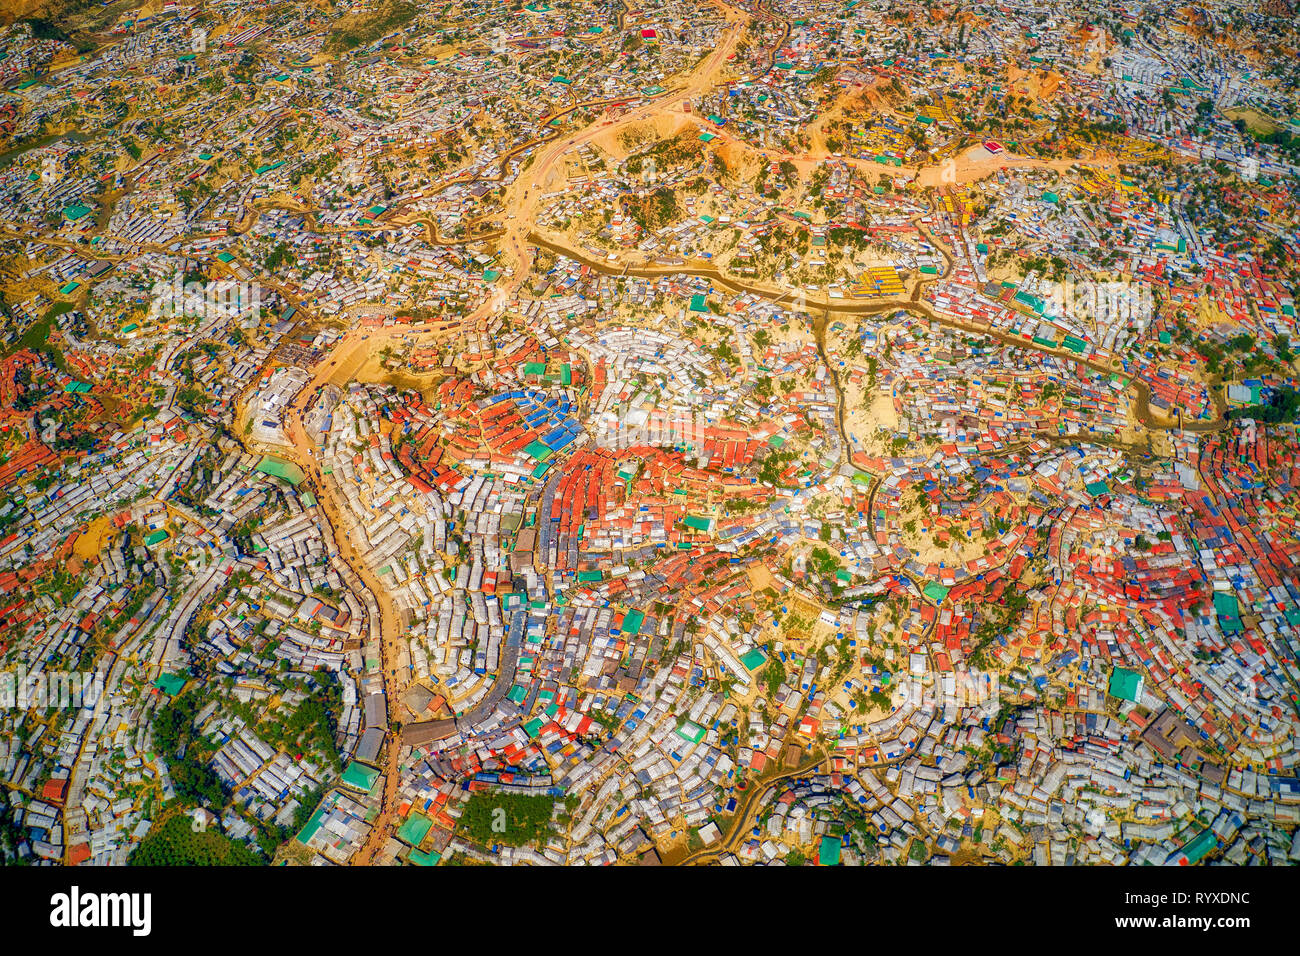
1278 135
174 842
526 819
278 256
656 210
47 29
312 726
11 834
353 32
769 473
773 676
186 751
1284 406
996 619
43 29
37 336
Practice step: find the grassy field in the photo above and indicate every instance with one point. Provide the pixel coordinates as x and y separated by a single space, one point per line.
1256 121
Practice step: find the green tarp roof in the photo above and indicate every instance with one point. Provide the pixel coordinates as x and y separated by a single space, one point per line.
278 468
935 592
828 854
414 828
690 731
1033 301
1198 846
170 684
1126 684
1225 603
1228 611
358 776
312 826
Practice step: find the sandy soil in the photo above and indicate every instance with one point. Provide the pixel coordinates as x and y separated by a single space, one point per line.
91 542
